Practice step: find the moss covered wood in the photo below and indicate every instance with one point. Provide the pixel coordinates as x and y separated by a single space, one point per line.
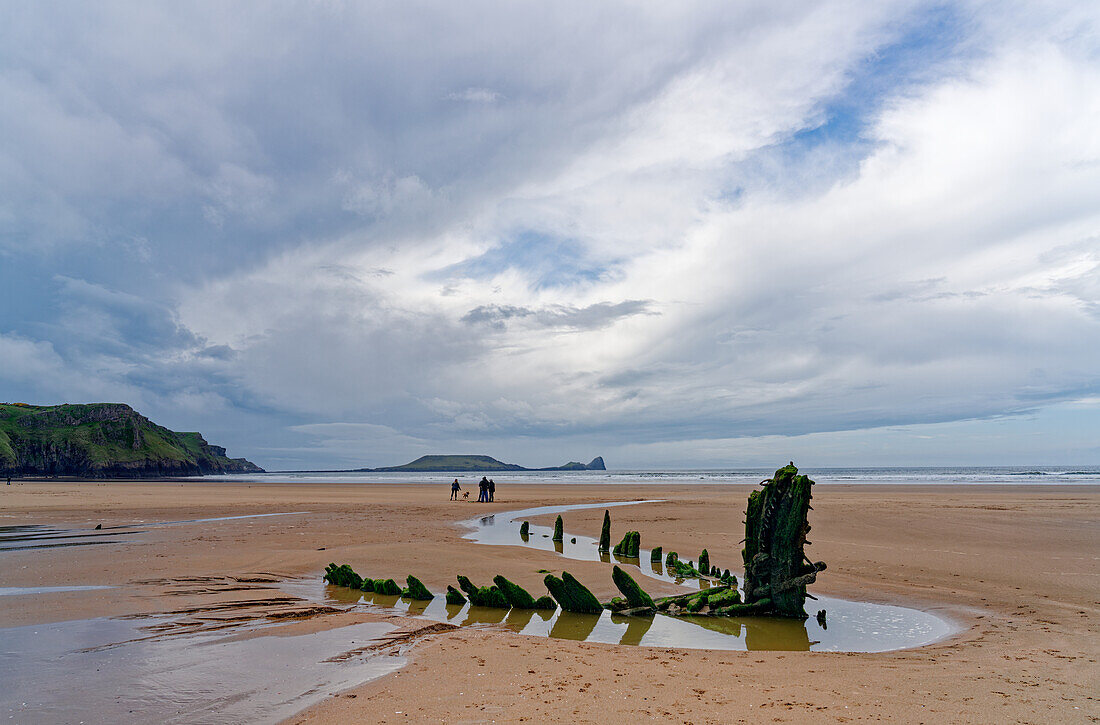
516 595
635 596
416 590
655 555
559 529
546 602
777 569
704 562
605 532
466 585
525 529
343 576
387 586
571 595
630 545
490 597
454 596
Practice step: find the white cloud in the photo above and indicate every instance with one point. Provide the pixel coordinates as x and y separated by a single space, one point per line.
475 95
389 272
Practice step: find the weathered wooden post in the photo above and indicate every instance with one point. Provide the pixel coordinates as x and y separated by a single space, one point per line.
777 569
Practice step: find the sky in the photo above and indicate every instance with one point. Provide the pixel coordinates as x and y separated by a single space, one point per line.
696 234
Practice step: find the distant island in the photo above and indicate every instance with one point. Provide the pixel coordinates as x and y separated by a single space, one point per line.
103 440
439 464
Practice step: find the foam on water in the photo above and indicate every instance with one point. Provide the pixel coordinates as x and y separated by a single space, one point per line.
973 475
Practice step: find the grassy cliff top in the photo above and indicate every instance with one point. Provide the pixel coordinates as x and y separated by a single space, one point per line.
97 437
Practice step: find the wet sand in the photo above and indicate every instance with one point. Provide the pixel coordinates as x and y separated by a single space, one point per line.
1018 567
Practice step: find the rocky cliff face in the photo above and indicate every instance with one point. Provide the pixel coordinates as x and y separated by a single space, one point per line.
103 440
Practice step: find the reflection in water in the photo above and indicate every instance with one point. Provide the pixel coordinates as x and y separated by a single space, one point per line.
519 618
416 608
636 628
484 615
853 626
575 626
763 633
113 671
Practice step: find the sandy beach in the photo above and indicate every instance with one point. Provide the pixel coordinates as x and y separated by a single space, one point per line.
1017 568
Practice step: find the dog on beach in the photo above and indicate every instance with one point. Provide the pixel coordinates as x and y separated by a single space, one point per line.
466 495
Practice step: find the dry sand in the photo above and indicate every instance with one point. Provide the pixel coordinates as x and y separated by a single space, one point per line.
1018 567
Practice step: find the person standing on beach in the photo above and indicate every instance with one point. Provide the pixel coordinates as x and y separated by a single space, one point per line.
455 488
483 490
492 490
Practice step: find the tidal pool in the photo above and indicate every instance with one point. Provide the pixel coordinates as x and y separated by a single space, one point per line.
112 671
850 626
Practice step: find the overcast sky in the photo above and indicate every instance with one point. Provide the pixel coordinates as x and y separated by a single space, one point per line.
682 234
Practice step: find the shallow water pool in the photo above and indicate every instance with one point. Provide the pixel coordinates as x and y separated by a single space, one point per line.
850 626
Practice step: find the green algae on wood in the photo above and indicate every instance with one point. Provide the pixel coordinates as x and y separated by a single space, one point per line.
605 532
343 576
517 596
777 569
387 586
629 546
467 585
483 596
416 590
559 530
655 555
546 602
454 596
704 562
525 530
490 597
724 598
634 594
571 595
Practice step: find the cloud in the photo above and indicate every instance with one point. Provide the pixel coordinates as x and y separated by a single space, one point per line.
593 317
498 225
474 95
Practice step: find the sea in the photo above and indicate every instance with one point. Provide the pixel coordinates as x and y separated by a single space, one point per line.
949 475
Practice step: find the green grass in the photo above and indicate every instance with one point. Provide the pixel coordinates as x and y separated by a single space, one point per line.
73 431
